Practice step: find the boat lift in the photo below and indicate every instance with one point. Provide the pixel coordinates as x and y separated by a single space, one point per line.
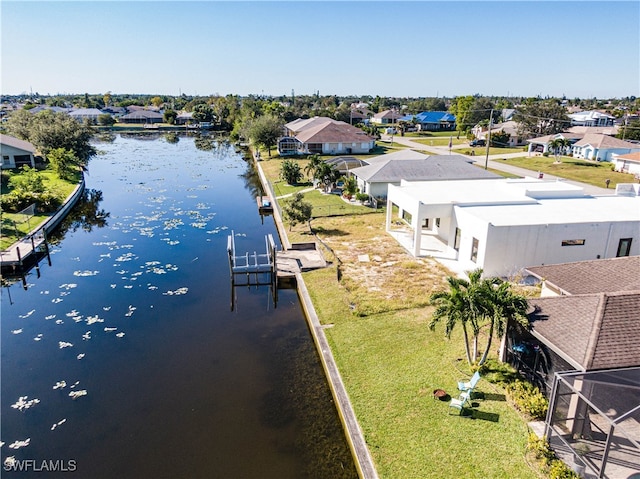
253 269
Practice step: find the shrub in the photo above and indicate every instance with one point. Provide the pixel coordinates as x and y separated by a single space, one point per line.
528 399
540 448
559 470
46 202
362 197
546 153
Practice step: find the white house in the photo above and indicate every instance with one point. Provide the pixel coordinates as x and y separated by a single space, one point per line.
386 117
591 118
629 163
16 153
602 147
505 225
85 114
541 143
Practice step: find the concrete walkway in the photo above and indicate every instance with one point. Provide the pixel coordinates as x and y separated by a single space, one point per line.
495 163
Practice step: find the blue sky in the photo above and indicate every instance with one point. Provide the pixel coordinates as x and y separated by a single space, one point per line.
386 48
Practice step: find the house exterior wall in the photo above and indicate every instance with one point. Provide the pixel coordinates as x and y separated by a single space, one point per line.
506 250
627 166
346 148
9 154
605 154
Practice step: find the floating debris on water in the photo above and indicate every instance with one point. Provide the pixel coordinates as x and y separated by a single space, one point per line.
59 423
64 344
60 385
23 403
85 273
109 330
94 319
76 394
120 335
106 308
86 336
56 300
59 321
51 316
80 356
177 292
38 337
19 444
16 331
23 316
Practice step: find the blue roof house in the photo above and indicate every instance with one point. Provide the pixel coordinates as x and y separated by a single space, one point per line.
434 121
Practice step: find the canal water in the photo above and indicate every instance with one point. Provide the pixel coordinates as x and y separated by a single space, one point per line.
124 359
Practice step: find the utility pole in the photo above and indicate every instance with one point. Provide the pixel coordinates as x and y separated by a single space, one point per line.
486 159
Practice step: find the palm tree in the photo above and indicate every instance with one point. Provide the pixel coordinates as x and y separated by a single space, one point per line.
313 165
452 306
559 145
507 307
475 304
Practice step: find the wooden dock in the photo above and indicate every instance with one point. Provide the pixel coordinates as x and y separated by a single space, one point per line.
265 205
24 249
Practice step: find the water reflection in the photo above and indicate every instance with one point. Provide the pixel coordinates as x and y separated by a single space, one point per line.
129 346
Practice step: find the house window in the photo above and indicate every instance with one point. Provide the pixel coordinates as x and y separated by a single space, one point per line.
474 250
425 224
438 222
573 242
456 241
406 216
624 247
6 160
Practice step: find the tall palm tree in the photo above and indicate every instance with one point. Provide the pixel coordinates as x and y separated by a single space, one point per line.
558 146
313 165
507 307
453 307
475 304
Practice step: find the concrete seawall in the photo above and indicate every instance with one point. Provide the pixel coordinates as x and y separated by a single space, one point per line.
355 438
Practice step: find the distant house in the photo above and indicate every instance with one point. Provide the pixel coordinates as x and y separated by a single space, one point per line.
435 121
184 118
386 117
16 153
505 225
390 169
509 127
115 111
591 118
541 144
601 147
359 115
324 136
85 114
141 116
628 163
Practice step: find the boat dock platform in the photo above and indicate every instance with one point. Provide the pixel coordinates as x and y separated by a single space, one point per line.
265 205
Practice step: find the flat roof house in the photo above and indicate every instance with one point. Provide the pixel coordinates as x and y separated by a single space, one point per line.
16 153
506 225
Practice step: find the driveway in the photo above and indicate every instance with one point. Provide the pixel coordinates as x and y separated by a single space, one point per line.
495 163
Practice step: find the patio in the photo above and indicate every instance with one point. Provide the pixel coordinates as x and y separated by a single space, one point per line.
594 422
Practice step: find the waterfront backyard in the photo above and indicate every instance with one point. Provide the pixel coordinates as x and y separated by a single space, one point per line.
373 300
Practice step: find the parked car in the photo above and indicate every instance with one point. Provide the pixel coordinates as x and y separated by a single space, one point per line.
477 142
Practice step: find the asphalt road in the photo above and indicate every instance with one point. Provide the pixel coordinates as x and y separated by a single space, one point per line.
495 163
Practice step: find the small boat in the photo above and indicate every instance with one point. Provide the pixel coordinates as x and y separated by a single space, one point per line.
264 204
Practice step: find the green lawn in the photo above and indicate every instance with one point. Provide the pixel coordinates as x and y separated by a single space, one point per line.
391 363
590 172
15 226
482 150
439 141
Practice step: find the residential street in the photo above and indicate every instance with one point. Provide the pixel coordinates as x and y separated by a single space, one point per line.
494 162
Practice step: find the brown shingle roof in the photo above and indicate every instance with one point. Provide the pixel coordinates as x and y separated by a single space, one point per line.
630 156
592 331
597 276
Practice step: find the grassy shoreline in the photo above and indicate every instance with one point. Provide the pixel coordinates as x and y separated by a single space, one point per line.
376 318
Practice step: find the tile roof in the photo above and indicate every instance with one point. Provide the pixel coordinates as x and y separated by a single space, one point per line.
390 114
438 167
605 141
333 132
592 331
596 276
547 138
16 143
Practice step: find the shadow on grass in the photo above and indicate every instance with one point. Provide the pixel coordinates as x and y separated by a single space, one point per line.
329 231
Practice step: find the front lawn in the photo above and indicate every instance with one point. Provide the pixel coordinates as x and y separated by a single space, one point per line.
591 172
